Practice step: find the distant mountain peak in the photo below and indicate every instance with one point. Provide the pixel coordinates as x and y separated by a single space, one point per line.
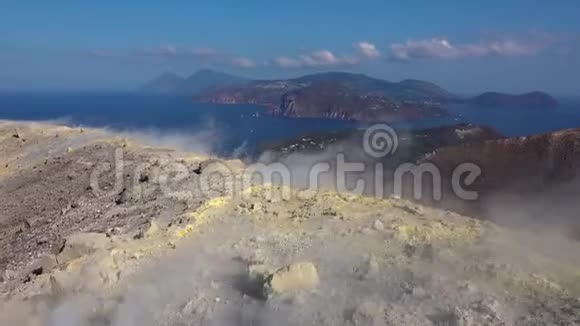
166 83
535 99
168 76
172 83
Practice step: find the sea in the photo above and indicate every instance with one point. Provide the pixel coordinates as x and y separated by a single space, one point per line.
237 130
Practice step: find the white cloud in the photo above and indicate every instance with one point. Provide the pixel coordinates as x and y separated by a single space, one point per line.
441 48
367 49
510 48
243 62
321 58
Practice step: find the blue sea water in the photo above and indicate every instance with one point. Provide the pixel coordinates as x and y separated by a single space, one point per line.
239 128
225 128
522 121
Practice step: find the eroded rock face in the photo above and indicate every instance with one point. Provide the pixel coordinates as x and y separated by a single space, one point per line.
333 101
62 181
523 179
299 276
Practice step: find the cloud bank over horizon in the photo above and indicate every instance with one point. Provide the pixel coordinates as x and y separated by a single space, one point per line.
441 48
467 46
432 59
362 52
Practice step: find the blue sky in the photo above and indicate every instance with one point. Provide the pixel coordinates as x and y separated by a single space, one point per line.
465 46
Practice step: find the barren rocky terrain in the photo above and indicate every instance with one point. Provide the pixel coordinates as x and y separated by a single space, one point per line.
102 230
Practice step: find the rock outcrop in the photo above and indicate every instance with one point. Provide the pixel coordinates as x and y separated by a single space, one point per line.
524 180
298 276
333 101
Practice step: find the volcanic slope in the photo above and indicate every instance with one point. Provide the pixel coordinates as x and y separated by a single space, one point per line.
163 249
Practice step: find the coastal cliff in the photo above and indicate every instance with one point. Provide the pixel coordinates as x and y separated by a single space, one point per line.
337 96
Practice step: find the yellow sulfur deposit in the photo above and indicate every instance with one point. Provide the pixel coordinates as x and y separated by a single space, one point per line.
534 286
216 202
4 170
201 216
185 231
193 158
269 191
428 231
